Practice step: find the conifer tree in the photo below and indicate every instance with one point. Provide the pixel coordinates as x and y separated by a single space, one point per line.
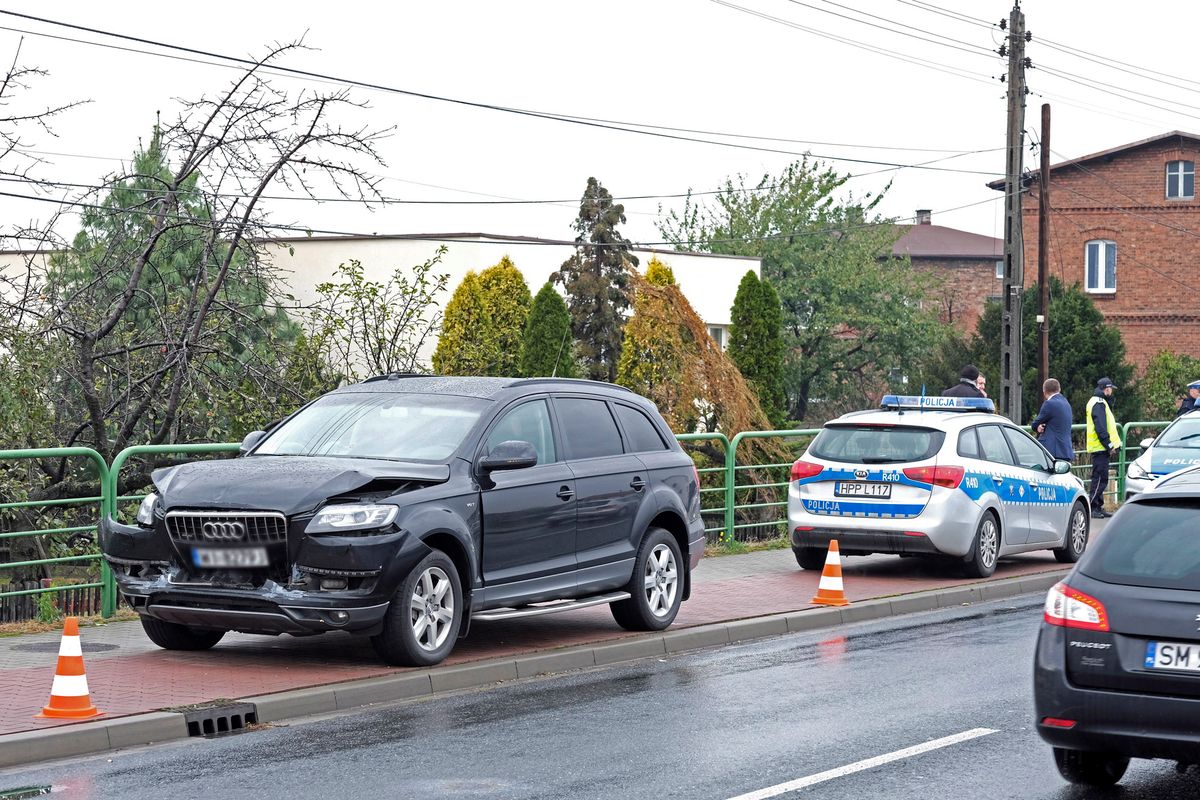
506 301
461 350
756 343
546 348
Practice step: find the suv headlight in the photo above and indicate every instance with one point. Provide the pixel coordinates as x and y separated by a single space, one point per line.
145 515
334 519
1137 471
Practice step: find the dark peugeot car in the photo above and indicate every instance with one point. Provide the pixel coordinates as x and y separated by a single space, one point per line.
1117 673
404 507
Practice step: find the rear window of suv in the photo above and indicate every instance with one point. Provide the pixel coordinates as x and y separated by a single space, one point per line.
876 444
1153 544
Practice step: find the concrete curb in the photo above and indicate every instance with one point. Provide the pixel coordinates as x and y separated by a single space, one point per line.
94 736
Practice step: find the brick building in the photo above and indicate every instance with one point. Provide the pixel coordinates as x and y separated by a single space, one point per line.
1125 224
964 264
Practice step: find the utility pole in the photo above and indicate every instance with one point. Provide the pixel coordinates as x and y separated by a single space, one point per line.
1043 246
1014 242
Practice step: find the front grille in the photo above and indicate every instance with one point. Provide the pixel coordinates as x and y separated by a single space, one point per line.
227 527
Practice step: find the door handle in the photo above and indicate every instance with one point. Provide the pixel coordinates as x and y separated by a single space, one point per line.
997 479
637 484
565 493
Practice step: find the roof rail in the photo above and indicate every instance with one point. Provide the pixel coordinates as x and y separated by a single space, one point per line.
392 376
535 381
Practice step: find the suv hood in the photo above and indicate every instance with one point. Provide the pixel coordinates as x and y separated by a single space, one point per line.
289 484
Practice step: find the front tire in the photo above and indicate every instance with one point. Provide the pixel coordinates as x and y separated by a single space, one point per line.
1090 768
656 588
1078 526
981 563
173 636
425 615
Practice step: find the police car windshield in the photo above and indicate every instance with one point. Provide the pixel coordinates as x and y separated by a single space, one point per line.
876 444
1184 433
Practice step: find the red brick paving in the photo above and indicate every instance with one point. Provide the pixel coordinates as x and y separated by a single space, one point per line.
247 666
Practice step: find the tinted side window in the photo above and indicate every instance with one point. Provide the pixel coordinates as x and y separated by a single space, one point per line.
528 422
643 436
588 427
1029 453
993 446
968 445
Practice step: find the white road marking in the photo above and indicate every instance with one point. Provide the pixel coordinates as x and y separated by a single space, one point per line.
859 766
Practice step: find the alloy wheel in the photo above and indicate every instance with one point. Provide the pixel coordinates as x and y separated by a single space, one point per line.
661 580
989 543
1079 531
432 608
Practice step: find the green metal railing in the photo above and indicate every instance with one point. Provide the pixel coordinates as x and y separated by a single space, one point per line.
738 498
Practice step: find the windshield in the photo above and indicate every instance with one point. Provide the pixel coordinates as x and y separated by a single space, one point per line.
1184 433
401 427
1148 544
876 444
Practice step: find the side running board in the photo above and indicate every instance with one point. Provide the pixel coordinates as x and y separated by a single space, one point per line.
537 609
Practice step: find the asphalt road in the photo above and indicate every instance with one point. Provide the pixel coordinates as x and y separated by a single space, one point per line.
718 724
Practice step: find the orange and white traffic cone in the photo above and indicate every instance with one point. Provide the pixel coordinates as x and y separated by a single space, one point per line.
69 698
829 590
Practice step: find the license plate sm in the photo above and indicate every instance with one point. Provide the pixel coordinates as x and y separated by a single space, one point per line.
230 557
859 489
1173 655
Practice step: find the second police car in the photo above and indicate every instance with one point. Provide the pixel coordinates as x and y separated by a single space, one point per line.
933 476
1176 448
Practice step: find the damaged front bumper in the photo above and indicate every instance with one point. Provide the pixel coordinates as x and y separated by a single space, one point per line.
332 582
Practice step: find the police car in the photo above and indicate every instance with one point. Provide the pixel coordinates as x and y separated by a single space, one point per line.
934 476
1176 448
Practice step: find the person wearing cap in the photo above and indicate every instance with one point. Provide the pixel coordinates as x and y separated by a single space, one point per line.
1053 422
1189 402
966 384
1103 439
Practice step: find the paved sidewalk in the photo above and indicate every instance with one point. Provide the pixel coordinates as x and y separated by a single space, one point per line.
129 675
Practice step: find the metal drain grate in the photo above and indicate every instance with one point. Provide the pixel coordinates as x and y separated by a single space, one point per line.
220 720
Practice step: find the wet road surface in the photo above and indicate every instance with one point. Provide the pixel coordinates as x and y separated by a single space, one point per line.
718 724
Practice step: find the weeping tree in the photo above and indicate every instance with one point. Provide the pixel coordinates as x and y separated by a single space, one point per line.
162 306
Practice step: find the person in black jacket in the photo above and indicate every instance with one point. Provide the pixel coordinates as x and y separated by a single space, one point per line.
966 384
1189 403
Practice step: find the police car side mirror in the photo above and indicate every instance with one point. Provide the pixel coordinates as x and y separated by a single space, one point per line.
1147 442
1061 466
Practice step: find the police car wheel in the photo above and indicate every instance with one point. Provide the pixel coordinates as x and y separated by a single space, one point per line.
981 561
1077 536
810 557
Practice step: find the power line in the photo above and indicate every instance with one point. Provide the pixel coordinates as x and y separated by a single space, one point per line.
1115 91
649 131
945 12
956 44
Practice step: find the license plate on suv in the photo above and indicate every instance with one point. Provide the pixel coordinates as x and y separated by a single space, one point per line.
229 557
1173 655
859 489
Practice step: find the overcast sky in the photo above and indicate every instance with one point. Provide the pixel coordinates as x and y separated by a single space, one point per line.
691 64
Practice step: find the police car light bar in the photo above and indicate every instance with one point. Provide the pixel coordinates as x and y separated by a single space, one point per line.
901 402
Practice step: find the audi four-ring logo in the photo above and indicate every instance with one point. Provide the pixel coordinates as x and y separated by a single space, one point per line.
223 530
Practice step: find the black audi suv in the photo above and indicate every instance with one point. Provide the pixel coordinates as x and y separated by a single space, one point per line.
1117 671
404 507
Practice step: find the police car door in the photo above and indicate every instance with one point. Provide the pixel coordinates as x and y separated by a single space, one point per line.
1048 501
1007 483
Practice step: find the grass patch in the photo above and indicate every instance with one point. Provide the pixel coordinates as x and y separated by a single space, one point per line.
733 547
35 626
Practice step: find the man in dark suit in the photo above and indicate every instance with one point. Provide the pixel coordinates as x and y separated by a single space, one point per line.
1053 422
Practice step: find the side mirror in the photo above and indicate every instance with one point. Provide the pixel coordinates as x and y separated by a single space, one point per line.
1061 466
509 455
250 442
1147 442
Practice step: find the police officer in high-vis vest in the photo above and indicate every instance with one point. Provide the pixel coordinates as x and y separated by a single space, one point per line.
1103 440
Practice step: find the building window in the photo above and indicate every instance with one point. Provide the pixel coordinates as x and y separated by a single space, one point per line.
999 270
1181 180
1101 266
718 335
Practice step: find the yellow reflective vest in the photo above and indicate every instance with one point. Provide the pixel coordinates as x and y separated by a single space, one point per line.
1093 441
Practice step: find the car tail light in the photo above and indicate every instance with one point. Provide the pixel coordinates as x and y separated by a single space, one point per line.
1055 722
803 528
805 469
913 533
950 477
1071 608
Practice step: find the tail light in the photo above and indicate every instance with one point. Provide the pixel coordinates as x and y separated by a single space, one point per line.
1071 608
805 469
949 477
